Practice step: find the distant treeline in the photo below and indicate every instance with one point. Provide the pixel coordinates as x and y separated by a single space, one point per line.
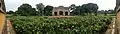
42 10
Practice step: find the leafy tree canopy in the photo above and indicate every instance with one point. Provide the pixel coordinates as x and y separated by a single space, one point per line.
26 10
48 10
40 8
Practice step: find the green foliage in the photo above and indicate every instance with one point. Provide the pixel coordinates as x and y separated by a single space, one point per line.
77 11
48 10
72 7
73 25
26 10
86 9
40 8
10 12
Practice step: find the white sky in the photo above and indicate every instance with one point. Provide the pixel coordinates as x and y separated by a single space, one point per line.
103 4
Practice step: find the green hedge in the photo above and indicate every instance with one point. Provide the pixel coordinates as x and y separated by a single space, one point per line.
73 25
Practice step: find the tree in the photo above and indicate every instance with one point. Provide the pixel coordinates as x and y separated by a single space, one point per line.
93 8
34 12
40 8
48 10
26 10
112 11
72 8
77 11
105 13
90 8
10 12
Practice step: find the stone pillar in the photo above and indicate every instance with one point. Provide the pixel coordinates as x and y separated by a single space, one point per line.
68 13
57 13
53 14
63 13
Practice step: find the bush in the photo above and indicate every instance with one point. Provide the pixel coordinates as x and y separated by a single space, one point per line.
74 25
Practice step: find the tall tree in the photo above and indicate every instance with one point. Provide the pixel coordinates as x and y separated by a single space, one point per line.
34 12
77 11
40 8
90 8
83 9
25 10
93 8
48 10
72 8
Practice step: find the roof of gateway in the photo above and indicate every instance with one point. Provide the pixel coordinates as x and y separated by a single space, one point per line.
61 7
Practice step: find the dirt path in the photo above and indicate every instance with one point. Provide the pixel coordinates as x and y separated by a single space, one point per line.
10 29
60 16
111 28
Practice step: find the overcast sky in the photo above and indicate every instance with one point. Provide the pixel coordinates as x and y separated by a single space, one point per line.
103 4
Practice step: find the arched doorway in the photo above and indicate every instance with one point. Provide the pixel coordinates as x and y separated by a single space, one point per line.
0 5
55 13
60 12
66 13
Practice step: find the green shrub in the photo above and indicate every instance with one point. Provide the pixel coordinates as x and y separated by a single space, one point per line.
73 25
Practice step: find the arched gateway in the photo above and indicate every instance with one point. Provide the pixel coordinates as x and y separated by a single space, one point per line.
61 11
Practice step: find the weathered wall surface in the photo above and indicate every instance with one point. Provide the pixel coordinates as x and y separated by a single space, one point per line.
118 22
2 15
2 21
117 15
